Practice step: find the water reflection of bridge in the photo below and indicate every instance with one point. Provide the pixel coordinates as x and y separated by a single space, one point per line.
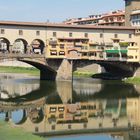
78 118
55 112
10 88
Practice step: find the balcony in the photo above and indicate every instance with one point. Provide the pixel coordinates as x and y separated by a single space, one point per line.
81 44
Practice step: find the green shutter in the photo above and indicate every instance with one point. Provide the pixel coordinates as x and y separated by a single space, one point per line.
112 51
123 51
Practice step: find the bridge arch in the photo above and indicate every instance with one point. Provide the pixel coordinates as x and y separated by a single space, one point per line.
38 46
4 45
36 115
22 116
20 46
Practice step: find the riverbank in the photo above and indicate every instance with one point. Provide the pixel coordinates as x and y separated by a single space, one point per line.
82 74
133 80
22 70
36 72
8 132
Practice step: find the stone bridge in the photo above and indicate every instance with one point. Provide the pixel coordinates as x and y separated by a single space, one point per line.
62 69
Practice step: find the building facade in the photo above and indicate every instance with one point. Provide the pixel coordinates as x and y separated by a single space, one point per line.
115 18
72 41
132 12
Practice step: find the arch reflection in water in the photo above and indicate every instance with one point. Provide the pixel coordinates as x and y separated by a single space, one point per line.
11 87
19 116
58 110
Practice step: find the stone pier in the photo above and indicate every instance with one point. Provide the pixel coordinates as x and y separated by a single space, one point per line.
65 70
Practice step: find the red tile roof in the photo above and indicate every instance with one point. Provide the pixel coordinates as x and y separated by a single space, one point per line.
55 25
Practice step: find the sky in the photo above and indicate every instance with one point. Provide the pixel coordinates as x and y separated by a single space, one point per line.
54 10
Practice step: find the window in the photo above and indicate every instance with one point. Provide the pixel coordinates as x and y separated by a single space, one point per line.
69 126
53 46
115 35
61 109
36 129
128 2
2 31
130 35
101 35
20 32
61 116
54 34
53 127
70 34
61 46
53 109
86 35
37 33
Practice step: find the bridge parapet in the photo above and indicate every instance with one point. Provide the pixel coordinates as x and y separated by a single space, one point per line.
12 55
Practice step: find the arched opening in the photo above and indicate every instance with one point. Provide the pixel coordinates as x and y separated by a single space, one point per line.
4 45
20 46
36 115
73 54
38 46
19 116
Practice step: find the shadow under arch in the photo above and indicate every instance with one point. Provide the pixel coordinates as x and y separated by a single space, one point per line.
4 44
46 72
20 45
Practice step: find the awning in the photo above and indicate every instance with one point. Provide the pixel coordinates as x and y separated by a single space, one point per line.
112 51
123 51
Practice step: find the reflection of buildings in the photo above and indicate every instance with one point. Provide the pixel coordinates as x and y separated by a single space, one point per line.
87 113
99 115
10 88
86 88
14 90
133 110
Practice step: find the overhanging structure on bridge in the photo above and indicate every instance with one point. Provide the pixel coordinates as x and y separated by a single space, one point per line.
57 49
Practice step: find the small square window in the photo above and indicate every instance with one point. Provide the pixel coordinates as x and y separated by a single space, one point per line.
86 35
53 127
37 33
20 32
130 35
101 35
54 34
2 31
70 34
115 35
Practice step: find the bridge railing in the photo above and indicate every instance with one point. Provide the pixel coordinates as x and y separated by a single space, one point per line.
12 55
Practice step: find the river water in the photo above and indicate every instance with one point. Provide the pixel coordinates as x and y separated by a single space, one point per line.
85 109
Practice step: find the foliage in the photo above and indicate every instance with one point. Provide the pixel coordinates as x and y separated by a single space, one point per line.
10 133
124 44
134 80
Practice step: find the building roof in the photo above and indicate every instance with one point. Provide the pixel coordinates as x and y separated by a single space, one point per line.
55 25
